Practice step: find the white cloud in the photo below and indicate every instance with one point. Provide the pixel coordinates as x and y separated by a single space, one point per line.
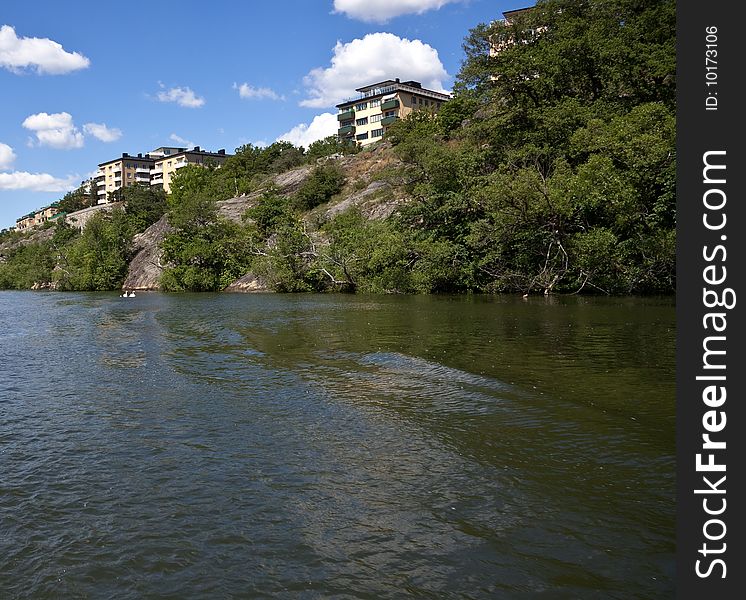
381 11
42 55
322 126
56 130
183 143
7 157
183 96
101 132
249 92
36 182
376 57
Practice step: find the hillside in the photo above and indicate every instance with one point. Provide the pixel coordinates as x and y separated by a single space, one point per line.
552 170
376 199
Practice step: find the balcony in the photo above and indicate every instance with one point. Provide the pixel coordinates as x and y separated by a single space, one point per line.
142 171
345 131
390 104
388 120
346 115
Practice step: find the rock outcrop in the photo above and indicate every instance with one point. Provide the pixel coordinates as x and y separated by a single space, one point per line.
249 283
80 218
365 190
146 268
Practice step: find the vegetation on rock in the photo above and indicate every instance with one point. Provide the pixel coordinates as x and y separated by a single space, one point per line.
551 170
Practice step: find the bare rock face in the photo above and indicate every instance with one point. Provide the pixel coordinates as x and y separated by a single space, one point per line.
37 237
285 183
374 202
290 182
248 284
80 218
146 268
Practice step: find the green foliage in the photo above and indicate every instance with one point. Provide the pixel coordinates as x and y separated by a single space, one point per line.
325 181
76 200
270 213
551 170
98 259
327 147
206 259
26 266
206 252
144 205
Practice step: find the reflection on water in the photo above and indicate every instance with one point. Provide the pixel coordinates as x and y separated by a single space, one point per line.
209 446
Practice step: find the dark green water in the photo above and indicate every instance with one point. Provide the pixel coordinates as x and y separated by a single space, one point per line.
213 446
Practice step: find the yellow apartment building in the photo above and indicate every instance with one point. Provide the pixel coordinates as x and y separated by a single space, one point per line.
498 45
122 172
166 166
364 119
154 168
38 217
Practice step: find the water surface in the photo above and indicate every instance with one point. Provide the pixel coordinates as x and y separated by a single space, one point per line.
209 446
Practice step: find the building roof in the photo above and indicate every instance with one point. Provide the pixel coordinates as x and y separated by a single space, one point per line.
516 11
196 151
391 85
126 156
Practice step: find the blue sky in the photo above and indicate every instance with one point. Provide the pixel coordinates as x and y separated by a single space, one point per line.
81 82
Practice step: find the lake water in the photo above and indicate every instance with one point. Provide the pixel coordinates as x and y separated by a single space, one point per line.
212 446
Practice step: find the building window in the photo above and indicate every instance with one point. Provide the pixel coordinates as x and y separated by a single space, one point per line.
376 102
361 106
376 133
363 121
362 136
390 113
346 123
376 118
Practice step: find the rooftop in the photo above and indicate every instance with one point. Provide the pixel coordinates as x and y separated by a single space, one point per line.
393 85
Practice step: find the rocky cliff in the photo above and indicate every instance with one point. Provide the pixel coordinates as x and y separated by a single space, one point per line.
365 190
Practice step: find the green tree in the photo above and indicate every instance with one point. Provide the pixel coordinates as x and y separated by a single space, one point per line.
325 181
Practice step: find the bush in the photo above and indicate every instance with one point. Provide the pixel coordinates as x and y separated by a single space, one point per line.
325 181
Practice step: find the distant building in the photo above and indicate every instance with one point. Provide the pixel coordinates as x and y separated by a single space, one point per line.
170 162
38 217
154 168
497 45
364 119
124 171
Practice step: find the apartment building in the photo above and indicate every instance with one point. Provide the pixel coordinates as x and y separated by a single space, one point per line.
38 217
153 168
364 119
166 166
498 44
121 172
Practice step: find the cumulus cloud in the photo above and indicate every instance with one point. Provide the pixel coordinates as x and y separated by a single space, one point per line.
183 143
56 130
46 57
376 57
7 157
248 92
380 11
101 132
36 182
183 96
322 126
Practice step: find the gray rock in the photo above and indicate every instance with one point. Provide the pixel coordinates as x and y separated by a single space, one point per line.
80 218
146 268
248 284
